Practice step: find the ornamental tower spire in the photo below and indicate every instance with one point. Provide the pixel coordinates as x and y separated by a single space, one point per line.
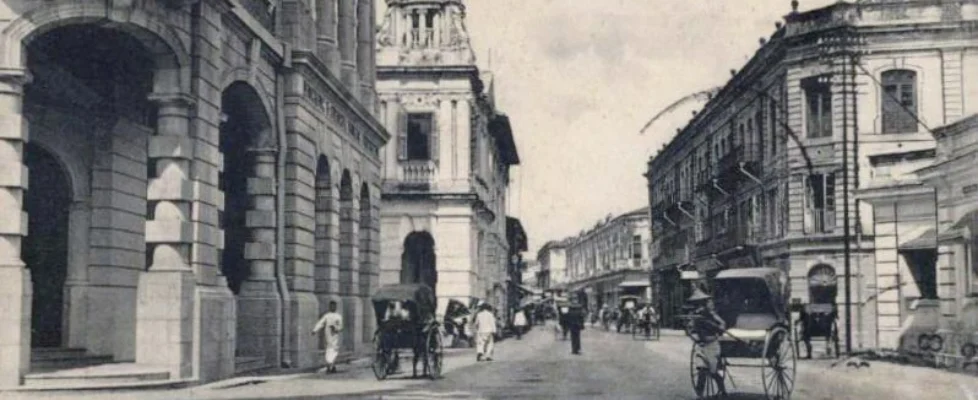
424 32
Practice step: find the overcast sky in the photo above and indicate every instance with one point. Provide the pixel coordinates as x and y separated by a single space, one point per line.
580 78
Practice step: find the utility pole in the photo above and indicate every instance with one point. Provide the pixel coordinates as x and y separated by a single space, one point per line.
840 50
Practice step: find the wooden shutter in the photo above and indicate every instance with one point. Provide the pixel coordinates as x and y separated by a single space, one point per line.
433 135
807 204
402 135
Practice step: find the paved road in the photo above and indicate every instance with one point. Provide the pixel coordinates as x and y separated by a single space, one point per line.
613 366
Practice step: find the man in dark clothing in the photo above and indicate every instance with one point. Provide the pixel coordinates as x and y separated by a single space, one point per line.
575 324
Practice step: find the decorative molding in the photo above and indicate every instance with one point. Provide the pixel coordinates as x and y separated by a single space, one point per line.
338 117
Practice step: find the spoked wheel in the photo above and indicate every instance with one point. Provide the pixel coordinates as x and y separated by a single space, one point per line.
778 370
434 353
381 362
704 384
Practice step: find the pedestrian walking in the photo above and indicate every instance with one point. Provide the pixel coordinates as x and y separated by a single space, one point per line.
519 323
574 320
330 324
485 330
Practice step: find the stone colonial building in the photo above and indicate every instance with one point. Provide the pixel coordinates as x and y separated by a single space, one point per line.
766 174
552 257
611 260
197 179
446 170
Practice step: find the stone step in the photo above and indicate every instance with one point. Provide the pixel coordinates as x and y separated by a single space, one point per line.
97 375
50 359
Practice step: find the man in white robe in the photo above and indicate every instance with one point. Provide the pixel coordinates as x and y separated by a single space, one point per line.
331 324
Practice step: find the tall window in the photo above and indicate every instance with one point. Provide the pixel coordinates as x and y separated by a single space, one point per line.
899 103
637 247
820 207
419 138
759 122
818 106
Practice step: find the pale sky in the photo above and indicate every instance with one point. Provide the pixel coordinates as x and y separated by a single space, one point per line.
580 78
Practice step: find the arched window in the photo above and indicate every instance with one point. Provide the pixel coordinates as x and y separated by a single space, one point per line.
899 103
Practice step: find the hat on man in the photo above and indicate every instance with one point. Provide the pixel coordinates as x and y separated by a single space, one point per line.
485 306
698 295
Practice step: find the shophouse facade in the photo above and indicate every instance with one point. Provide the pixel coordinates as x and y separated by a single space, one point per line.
766 174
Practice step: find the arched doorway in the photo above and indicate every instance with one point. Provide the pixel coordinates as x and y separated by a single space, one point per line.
325 273
243 131
89 106
418 262
45 249
822 284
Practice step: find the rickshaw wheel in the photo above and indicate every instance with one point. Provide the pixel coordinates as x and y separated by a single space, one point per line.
434 353
704 385
381 362
778 370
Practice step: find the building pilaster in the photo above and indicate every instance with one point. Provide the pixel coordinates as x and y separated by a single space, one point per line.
165 293
16 290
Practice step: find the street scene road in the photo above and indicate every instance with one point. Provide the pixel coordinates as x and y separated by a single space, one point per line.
611 366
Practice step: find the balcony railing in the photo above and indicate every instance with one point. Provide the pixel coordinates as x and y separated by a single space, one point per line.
418 172
822 221
734 236
261 10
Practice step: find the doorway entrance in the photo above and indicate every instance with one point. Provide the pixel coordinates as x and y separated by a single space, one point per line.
45 249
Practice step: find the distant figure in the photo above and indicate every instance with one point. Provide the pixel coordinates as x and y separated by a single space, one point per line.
804 320
574 321
485 330
519 323
331 324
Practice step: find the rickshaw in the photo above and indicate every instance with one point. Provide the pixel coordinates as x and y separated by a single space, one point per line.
420 331
751 302
646 326
627 306
457 317
819 320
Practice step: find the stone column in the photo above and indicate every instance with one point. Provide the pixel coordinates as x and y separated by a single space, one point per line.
347 38
365 51
75 309
326 33
436 26
15 292
348 276
259 305
165 293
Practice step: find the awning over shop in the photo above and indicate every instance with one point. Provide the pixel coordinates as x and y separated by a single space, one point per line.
628 284
925 241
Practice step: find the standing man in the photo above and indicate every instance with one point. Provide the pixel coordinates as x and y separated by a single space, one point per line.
708 326
485 330
330 324
519 323
575 324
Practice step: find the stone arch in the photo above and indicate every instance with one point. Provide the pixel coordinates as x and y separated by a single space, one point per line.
242 75
822 284
171 57
325 231
419 263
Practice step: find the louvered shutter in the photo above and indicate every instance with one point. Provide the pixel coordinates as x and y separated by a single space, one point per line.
807 204
402 135
433 138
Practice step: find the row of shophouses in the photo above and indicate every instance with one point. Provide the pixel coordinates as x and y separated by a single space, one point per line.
843 152
600 265
199 178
